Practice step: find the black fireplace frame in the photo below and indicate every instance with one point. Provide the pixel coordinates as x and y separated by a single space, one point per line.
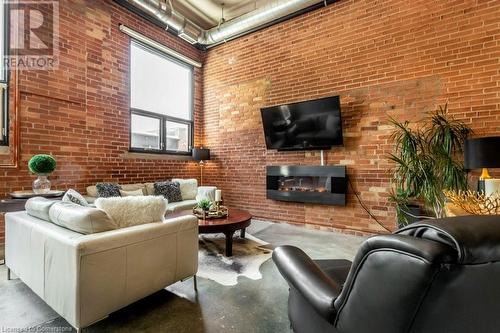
337 195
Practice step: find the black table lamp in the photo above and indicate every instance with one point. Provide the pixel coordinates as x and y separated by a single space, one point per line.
482 153
201 154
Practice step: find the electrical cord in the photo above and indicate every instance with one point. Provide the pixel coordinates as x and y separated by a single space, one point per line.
366 208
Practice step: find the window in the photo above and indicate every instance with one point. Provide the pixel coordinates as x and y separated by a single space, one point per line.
4 78
161 101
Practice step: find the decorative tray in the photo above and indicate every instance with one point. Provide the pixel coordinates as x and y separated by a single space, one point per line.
31 194
476 203
211 214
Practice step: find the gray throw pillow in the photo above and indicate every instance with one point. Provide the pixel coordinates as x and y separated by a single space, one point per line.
108 190
75 197
170 190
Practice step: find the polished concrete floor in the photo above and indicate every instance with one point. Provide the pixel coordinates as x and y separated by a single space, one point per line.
250 306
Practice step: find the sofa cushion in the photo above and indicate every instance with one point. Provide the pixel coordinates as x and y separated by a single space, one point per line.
134 187
138 192
133 210
169 190
181 205
189 188
107 190
85 220
39 207
92 190
74 197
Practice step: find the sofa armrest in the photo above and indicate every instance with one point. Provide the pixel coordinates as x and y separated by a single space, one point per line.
302 274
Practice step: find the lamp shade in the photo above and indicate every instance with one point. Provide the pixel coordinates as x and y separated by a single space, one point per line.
201 154
482 153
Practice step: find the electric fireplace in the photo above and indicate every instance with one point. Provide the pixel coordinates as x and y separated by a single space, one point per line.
315 184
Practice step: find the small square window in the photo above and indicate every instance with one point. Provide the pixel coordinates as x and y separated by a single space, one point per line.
145 132
177 135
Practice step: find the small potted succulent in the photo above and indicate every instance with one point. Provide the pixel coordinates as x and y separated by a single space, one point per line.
41 165
202 208
205 204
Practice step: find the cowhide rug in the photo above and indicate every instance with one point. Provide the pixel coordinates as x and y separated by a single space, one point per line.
248 255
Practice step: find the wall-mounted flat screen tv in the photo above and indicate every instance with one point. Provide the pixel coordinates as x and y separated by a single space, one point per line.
305 125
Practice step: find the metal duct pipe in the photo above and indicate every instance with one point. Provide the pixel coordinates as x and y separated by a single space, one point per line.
162 12
275 10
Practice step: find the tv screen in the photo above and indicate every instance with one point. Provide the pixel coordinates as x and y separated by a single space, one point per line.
305 125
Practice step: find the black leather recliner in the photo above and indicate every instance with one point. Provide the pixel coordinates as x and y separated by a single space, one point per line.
432 276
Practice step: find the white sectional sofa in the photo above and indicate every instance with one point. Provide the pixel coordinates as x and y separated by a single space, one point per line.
85 277
190 195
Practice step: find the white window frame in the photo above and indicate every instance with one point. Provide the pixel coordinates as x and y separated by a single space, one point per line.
163 118
4 76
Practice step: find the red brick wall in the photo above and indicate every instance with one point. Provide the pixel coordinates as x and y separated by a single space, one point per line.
80 113
391 57
394 58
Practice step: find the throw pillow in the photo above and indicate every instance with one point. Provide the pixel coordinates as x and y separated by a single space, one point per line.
107 190
135 193
206 192
134 187
92 191
169 190
134 210
150 188
189 188
75 197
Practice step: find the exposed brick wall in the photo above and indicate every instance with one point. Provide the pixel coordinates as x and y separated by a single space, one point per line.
80 113
384 58
393 57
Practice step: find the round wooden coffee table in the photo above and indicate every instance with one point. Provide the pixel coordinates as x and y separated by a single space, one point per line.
237 219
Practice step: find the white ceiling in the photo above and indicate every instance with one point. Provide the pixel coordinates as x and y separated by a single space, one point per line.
207 13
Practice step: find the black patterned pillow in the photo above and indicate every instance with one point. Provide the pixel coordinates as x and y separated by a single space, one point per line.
169 190
74 197
108 190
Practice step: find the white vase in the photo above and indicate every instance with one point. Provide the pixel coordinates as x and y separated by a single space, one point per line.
41 184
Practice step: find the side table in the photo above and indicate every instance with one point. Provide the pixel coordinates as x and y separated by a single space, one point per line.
10 204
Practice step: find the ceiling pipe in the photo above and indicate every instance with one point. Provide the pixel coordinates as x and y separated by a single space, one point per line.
162 12
274 11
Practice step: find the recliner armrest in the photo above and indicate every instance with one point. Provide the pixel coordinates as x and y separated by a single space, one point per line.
302 273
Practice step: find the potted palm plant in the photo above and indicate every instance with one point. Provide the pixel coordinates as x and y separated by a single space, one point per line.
427 160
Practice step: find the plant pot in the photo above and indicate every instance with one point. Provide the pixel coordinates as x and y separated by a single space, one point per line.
410 213
41 184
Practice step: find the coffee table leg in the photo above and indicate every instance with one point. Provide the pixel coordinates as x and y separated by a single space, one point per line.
242 233
229 243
